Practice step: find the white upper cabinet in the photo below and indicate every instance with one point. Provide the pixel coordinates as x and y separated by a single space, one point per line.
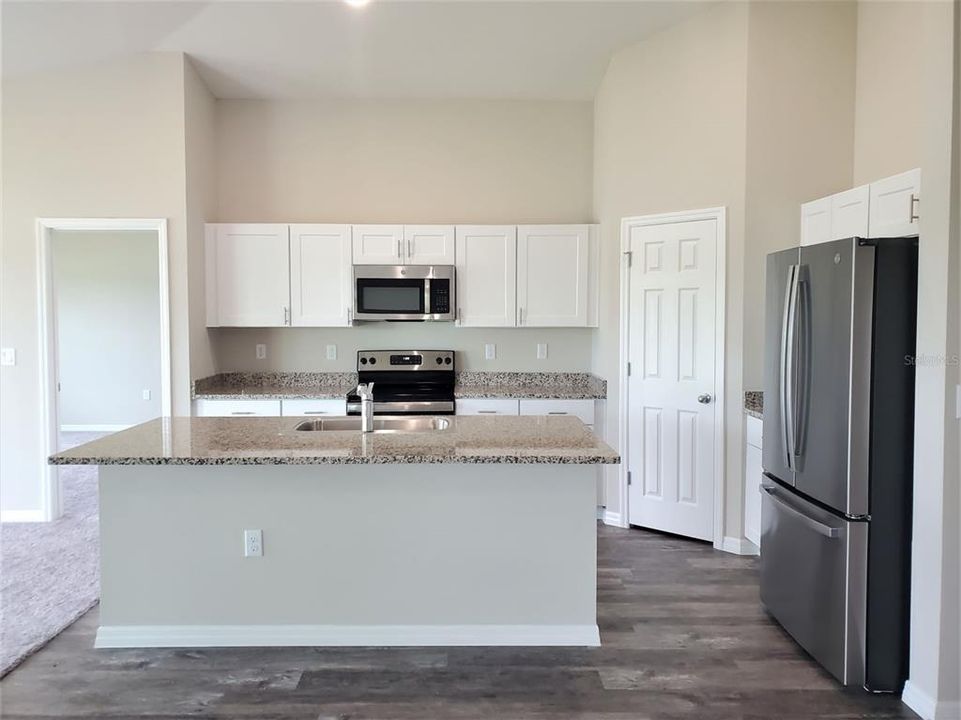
816 221
552 275
895 205
320 275
849 213
486 275
247 275
429 244
378 244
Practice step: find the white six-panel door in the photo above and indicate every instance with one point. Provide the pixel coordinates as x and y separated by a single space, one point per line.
552 273
320 275
248 275
671 348
429 244
486 275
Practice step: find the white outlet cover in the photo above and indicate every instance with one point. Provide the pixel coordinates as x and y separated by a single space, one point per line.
261 351
8 356
146 393
331 352
253 543
541 351
490 351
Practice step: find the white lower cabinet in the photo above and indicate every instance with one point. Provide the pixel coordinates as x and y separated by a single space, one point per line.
486 406
581 409
752 481
226 408
323 406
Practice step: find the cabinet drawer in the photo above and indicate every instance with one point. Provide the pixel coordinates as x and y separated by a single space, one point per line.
486 406
225 408
753 431
583 409
323 406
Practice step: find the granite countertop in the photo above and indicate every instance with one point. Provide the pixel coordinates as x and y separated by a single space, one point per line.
273 441
470 384
754 403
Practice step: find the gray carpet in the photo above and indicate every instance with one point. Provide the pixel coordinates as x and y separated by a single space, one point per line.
50 572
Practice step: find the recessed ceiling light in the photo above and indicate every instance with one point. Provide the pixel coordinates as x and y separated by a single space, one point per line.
357 3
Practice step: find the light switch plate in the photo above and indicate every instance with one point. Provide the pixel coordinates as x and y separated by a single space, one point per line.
331 352
261 351
146 393
490 351
8 356
541 351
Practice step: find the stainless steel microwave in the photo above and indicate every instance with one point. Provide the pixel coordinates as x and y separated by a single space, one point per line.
404 292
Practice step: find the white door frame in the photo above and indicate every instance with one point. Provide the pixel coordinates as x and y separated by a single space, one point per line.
51 507
719 214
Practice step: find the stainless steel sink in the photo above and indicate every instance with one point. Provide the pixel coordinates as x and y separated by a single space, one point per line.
381 424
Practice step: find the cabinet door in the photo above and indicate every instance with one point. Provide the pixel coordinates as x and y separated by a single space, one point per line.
248 272
816 221
895 205
321 406
581 409
486 275
849 213
320 275
378 244
752 495
552 275
429 244
228 408
486 406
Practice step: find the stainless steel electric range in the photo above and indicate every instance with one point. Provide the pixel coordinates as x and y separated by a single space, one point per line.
406 382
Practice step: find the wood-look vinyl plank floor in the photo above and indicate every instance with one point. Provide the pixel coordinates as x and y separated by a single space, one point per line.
683 636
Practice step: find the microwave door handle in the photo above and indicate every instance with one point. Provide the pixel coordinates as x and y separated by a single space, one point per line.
427 308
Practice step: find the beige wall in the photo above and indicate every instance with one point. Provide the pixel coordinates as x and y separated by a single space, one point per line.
888 129
410 161
670 136
107 296
103 141
800 135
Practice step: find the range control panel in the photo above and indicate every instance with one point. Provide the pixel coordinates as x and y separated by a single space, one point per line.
368 360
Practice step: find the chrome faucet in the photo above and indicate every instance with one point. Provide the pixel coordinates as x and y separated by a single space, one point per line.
366 393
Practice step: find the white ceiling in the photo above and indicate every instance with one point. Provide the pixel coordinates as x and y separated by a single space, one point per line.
388 49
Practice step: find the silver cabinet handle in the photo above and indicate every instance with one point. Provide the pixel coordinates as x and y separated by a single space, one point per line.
316 412
400 249
556 412
915 202
410 248
486 412
286 315
816 526
349 314
242 412
704 399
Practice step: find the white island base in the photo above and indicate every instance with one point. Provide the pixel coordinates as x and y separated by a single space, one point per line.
367 554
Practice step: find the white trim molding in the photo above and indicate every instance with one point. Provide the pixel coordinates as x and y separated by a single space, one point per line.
94 428
928 707
719 215
739 546
10 516
614 519
139 636
49 420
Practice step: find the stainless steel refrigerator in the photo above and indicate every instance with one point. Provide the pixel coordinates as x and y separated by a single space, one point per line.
838 452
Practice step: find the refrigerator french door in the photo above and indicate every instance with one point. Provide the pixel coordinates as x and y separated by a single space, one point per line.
837 453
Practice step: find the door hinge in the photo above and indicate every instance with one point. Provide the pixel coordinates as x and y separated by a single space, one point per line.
629 256
628 477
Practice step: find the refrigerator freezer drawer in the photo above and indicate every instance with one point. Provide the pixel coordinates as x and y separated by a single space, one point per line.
813 579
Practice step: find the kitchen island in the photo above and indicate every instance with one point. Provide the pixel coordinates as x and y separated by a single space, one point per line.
480 533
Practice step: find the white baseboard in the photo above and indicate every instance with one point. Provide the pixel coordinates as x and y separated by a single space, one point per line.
93 428
739 546
928 707
134 636
22 516
600 512
614 519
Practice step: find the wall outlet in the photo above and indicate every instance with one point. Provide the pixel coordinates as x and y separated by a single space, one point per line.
331 352
8 356
490 351
261 351
146 393
541 351
253 543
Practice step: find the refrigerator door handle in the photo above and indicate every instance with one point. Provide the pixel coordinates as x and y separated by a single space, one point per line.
815 525
787 366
